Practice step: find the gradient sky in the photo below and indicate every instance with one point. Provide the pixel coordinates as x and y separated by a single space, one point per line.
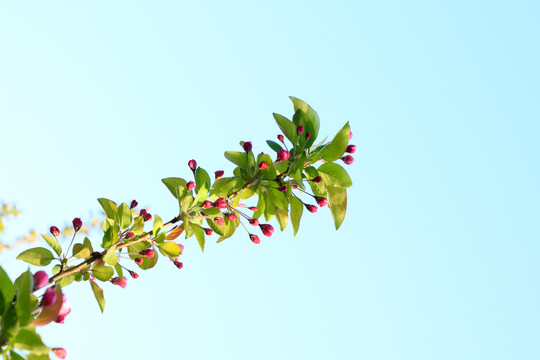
438 255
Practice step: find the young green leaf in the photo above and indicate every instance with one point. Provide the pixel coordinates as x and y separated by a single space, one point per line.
287 127
201 179
199 234
110 208
110 256
296 213
124 216
7 290
102 272
53 243
170 249
282 217
336 148
98 293
274 145
174 185
337 201
24 285
36 256
28 339
334 175
138 226
81 251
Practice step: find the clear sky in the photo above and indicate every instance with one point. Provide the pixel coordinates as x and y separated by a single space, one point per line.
438 255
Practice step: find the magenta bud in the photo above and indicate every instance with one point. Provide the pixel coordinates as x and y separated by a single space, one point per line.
311 208
134 204
254 222
280 138
77 223
65 309
282 188
219 174
317 179
299 129
206 204
147 253
351 149
59 352
253 208
322 201
54 231
247 146
190 185
348 159
138 261
40 279
283 155
350 135
178 264
49 297
133 274
254 239
181 248
208 232
231 217
122 283
219 220
192 165
220 203
267 229
263 165
130 235
308 136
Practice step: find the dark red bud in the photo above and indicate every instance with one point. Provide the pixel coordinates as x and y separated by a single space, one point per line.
248 146
348 159
190 185
133 274
192 165
317 179
178 264
134 204
130 235
311 208
283 188
254 239
280 138
219 174
77 223
263 165
299 129
40 279
283 155
147 253
254 222
308 136
208 232
207 204
138 261
54 231
49 297
253 208
322 201
267 229
351 149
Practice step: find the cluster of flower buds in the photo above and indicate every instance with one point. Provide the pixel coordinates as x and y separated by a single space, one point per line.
145 214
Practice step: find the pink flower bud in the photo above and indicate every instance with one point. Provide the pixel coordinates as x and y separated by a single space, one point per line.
120 282
181 248
317 179
231 217
299 129
308 136
322 201
40 279
64 310
192 165
77 223
267 229
220 203
348 159
263 165
219 220
147 253
350 135
138 261
54 231
283 155
206 204
134 204
280 138
248 146
351 149
311 208
59 352
190 185
178 264
283 188
254 239
254 222
219 174
253 208
49 297
208 232
133 274
130 235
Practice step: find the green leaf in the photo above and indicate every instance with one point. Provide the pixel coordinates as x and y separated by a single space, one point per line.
170 249
230 228
281 166
88 244
36 256
223 187
174 184
238 158
37 357
53 243
28 339
81 251
7 290
199 234
8 323
98 293
279 199
158 225
219 229
110 256
287 127
334 175
261 204
274 145
50 313
202 179
119 271
110 208
282 217
134 253
336 148
16 356
296 213
337 201
24 285
124 216
65 281
102 272
138 226
110 237
270 172
161 237
270 206
312 124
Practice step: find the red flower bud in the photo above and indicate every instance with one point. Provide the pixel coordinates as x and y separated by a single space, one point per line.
206 204
40 279
248 146
254 222
311 208
138 261
130 235
208 232
122 283
49 297
147 253
351 149
219 174
59 352
220 203
348 159
299 129
254 239
267 229
192 165
134 204
190 185
54 231
263 165
308 136
77 223
280 138
282 188
283 155
322 201
178 264
133 274
317 179
146 216
253 208
231 217
219 220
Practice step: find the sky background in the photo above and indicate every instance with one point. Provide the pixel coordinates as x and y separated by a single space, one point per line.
438 255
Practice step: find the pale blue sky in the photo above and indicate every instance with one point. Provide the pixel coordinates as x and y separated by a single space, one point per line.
438 255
